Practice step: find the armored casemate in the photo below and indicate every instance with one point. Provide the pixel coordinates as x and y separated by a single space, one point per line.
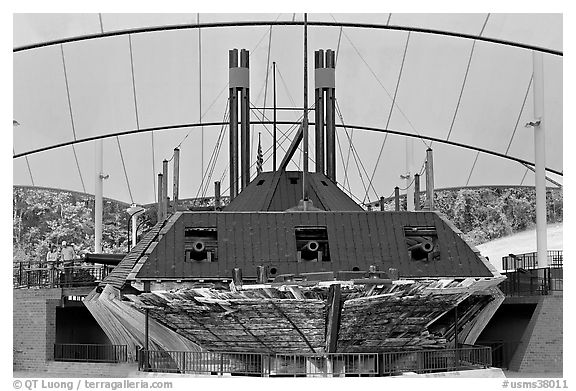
292 265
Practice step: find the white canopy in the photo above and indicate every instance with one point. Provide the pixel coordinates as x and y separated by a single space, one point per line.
473 92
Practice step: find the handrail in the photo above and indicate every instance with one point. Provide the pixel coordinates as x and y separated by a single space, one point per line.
90 352
46 275
530 260
316 364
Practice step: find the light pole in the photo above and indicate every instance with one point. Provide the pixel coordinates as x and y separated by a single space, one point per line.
133 211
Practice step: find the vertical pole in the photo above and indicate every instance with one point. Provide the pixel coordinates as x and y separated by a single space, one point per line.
416 191
217 195
165 187
233 63
409 169
305 124
176 180
146 329
430 179
274 130
382 204
98 190
159 203
200 96
540 159
397 199
456 336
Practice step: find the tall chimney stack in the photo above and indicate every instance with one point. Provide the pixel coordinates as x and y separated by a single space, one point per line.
176 180
159 202
416 191
217 195
239 85
325 83
165 188
429 179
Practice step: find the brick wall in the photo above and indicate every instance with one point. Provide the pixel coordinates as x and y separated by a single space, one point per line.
34 327
541 348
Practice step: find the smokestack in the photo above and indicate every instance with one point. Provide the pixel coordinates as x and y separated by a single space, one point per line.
245 123
397 199
331 116
235 75
217 195
165 187
176 180
416 191
429 179
382 204
159 202
319 112
239 85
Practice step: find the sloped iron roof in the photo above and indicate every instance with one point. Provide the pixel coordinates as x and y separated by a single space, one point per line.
282 190
356 240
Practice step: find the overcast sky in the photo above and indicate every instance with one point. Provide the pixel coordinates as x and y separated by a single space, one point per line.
167 78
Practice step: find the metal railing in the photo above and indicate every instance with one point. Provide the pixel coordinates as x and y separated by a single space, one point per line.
90 352
201 362
315 364
29 275
441 360
325 365
502 351
530 260
532 282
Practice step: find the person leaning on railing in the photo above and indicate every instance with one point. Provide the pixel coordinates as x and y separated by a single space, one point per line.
51 261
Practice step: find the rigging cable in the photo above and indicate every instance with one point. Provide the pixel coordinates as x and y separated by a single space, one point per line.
118 138
513 133
285 86
203 178
214 159
219 94
215 154
355 154
391 109
200 96
27 164
522 181
71 116
380 82
520 114
138 119
466 77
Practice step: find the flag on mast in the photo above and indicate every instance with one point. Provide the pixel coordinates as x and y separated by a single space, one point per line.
259 158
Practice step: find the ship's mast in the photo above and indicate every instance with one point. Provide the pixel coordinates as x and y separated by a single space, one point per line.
305 123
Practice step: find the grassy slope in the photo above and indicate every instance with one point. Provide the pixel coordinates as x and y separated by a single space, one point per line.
519 243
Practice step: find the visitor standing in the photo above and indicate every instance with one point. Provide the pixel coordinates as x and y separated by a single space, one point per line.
68 256
51 260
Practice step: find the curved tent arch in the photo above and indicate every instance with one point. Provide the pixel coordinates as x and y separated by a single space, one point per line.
351 94
342 126
289 23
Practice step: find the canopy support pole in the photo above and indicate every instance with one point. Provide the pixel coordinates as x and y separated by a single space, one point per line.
540 159
98 185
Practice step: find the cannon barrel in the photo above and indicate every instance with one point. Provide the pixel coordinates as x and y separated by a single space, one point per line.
198 246
312 246
422 249
310 250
